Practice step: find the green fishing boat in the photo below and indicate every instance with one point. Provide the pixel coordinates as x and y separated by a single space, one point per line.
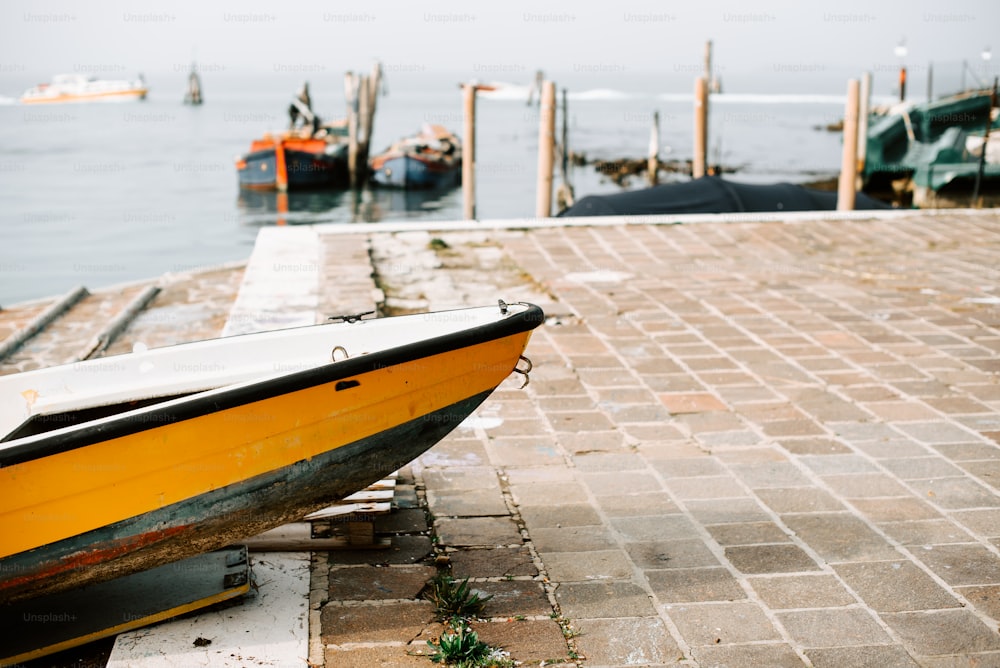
928 155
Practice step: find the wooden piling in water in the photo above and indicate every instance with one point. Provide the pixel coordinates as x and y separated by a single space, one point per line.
653 161
699 162
546 149
469 152
370 87
351 95
564 193
849 158
864 110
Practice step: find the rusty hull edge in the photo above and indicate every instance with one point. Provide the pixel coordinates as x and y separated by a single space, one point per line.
227 515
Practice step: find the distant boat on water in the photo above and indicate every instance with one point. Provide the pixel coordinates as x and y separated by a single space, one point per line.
431 158
80 88
309 155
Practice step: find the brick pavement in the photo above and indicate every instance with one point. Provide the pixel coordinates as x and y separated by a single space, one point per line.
742 444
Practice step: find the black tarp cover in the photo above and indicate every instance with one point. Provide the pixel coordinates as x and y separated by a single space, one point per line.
711 194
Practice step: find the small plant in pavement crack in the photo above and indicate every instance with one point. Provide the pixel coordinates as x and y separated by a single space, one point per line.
462 648
454 599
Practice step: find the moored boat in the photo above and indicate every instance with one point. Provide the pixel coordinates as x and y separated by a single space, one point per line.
120 464
929 155
294 161
80 88
430 159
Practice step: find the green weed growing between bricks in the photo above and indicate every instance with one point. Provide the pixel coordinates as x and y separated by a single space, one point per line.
461 647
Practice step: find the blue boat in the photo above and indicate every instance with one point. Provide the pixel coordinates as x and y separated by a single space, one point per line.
429 159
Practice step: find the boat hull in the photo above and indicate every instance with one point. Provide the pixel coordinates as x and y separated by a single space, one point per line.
405 171
202 472
258 170
227 515
64 98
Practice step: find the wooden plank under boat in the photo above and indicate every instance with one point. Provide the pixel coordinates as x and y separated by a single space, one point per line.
120 464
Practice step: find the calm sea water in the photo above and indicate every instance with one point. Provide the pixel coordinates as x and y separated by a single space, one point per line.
98 194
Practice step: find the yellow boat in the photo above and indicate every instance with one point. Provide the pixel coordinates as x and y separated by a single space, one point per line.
119 464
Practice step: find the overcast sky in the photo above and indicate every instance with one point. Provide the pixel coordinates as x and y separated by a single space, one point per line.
599 40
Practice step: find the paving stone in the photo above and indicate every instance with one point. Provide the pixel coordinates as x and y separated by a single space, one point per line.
840 463
401 520
629 505
513 597
956 493
688 467
724 511
364 583
467 503
799 500
960 565
572 539
866 657
382 656
690 553
532 450
586 566
608 462
756 559
709 487
492 562
477 532
401 550
635 482
813 445
375 623
895 586
801 591
839 537
645 528
543 494
986 598
895 509
587 600
592 441
749 656
530 641
748 533
833 628
722 623
689 585
943 632
626 641
925 533
860 485
578 514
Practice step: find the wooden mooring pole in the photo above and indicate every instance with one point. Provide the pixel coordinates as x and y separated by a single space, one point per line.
469 152
546 149
653 161
351 94
849 158
699 163
864 110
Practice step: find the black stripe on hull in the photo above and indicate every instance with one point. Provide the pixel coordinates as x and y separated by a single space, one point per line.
206 403
227 515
